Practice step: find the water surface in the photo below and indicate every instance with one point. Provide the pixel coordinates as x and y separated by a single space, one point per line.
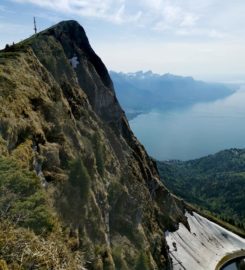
193 132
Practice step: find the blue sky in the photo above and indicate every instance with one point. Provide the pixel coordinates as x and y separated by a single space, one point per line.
201 38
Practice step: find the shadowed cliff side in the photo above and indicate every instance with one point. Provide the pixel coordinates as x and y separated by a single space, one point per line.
60 118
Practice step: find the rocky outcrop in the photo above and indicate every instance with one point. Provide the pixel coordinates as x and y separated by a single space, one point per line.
59 113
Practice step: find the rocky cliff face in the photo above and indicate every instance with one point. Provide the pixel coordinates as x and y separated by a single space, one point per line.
60 118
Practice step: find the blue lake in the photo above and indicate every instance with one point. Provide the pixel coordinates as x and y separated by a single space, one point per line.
193 132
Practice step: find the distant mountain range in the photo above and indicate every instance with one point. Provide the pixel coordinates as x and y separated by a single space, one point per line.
141 92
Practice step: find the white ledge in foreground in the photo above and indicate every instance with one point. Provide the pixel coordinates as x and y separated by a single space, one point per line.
203 246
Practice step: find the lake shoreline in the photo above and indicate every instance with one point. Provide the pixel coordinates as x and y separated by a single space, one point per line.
193 132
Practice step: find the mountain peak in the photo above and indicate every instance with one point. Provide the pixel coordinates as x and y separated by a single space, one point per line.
71 30
72 37
64 26
68 23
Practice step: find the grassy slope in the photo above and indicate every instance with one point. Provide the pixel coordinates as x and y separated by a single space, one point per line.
31 234
28 222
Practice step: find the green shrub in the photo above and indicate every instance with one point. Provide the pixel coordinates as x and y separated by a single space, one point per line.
75 194
22 199
118 257
80 178
142 262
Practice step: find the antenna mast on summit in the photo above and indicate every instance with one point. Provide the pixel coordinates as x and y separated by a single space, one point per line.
35 25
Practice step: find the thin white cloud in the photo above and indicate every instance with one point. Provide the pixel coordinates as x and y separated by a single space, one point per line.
109 10
170 14
48 16
216 34
203 32
119 11
189 20
215 18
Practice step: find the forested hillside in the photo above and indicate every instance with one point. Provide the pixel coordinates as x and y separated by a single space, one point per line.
215 183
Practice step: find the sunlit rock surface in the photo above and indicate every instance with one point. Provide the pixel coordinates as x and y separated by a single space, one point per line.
203 246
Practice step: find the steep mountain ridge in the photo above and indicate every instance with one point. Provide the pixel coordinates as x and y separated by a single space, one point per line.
59 118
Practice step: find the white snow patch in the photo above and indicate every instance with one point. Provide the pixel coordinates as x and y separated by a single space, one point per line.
74 61
203 246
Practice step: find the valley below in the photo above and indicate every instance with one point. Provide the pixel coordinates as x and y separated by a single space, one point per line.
215 183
